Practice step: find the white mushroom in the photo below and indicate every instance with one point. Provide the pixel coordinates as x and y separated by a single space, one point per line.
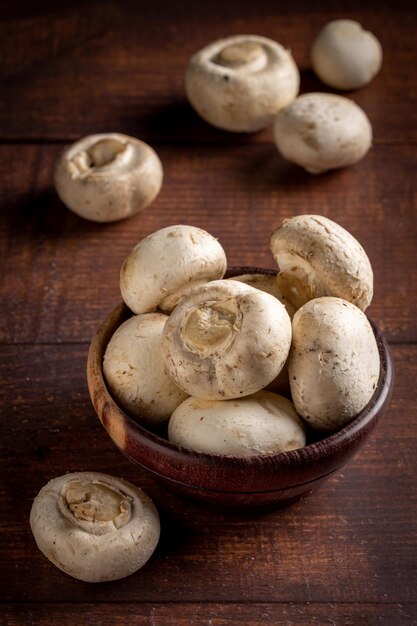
322 131
226 340
345 56
134 370
167 264
334 362
264 423
267 283
240 83
93 526
108 177
317 257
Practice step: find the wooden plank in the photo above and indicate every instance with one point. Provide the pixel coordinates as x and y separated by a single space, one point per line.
351 541
180 614
75 69
60 273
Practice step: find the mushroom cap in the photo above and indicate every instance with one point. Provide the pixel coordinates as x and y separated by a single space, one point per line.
345 56
267 283
263 423
317 257
226 340
167 264
134 369
93 526
241 82
322 131
334 362
108 177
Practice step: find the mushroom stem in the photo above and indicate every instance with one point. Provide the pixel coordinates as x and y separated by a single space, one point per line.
210 328
94 505
243 54
105 151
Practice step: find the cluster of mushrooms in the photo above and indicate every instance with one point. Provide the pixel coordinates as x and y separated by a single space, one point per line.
242 83
207 355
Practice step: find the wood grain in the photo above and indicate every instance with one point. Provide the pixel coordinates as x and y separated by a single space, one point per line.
346 555
211 614
74 69
344 533
61 272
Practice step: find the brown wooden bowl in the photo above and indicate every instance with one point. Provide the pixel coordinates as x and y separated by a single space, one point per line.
246 484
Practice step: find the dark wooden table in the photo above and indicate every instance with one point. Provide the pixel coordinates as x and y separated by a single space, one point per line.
347 554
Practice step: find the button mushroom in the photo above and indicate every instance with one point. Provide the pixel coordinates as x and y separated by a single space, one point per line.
93 526
263 423
322 131
240 83
226 340
108 177
346 56
167 264
317 257
334 362
134 370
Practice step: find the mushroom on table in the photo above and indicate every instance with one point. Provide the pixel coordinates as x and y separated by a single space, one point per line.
240 83
108 177
93 526
346 56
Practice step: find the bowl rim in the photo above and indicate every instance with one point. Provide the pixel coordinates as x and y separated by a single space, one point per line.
309 454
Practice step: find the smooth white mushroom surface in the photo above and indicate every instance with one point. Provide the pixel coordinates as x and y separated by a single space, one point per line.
334 362
241 82
267 283
93 526
134 370
108 177
263 423
322 131
226 340
317 257
167 264
345 56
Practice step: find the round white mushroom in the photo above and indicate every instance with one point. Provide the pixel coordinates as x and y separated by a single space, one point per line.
334 362
264 423
317 257
108 177
345 56
267 283
93 526
134 370
168 264
322 131
226 340
241 82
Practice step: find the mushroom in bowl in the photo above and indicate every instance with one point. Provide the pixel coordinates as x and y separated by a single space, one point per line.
255 482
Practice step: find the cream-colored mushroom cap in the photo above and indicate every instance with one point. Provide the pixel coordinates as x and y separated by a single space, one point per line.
93 526
267 283
334 362
167 264
241 82
317 257
263 423
108 177
134 370
322 131
226 340
345 56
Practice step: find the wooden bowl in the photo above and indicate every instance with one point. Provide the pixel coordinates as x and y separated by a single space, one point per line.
246 484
